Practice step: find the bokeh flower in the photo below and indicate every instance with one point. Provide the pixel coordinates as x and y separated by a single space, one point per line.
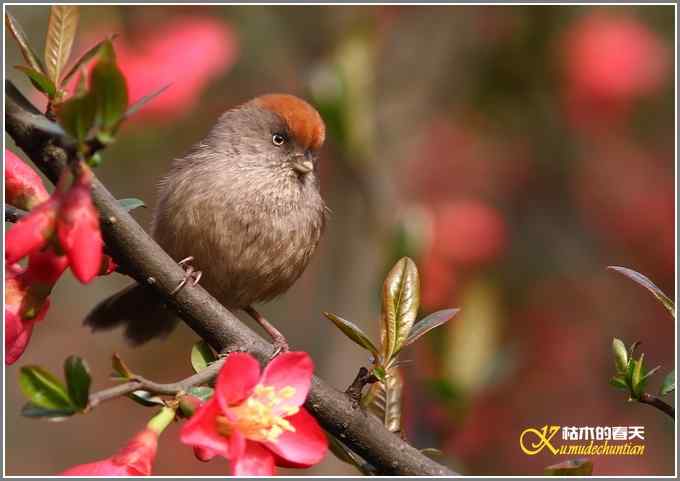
256 420
610 60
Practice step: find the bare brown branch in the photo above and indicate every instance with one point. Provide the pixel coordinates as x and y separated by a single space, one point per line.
131 246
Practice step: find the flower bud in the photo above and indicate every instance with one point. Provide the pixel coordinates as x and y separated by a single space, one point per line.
23 187
78 229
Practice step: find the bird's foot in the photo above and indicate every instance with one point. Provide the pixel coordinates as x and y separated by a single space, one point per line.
278 339
190 274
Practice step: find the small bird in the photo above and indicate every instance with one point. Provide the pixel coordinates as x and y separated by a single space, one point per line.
241 211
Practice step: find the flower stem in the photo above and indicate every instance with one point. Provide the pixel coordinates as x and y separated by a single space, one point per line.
162 420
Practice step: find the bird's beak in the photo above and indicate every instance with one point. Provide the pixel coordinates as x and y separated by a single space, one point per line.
302 164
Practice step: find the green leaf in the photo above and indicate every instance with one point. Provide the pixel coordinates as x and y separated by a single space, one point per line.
401 299
637 381
668 384
77 115
201 356
619 383
201 392
86 57
61 32
26 50
354 332
43 389
620 355
78 381
428 323
573 467
649 373
31 410
145 398
131 203
134 108
109 88
647 284
39 81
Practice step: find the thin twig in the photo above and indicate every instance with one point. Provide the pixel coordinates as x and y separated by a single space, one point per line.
363 378
173 388
13 214
661 405
130 245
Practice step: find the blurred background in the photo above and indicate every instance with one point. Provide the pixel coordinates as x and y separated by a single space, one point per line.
512 151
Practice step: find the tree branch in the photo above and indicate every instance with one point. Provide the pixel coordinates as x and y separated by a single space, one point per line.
13 214
661 405
138 382
131 246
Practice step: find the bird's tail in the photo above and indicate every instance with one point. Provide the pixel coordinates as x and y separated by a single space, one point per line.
137 308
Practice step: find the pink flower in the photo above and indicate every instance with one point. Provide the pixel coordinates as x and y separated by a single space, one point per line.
32 232
22 310
78 229
135 459
256 420
23 187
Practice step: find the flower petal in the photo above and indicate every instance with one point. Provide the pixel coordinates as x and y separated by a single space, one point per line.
201 430
290 369
105 467
31 232
302 448
237 379
17 335
255 461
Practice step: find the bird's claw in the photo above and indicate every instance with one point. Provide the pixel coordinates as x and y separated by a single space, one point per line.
189 274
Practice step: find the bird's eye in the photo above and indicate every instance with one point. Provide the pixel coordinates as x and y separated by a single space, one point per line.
278 139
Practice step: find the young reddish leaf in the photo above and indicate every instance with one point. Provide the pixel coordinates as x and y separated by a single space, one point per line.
78 381
354 332
86 57
401 299
428 323
134 108
647 284
28 53
39 81
119 367
61 31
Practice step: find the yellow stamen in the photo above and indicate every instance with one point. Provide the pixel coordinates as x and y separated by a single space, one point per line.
256 419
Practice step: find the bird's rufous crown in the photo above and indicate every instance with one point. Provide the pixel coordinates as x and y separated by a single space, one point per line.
303 121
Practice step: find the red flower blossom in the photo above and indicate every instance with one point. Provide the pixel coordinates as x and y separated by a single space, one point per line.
26 298
31 233
78 229
609 61
135 459
23 187
256 420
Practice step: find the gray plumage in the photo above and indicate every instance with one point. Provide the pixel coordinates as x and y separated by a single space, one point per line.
242 206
